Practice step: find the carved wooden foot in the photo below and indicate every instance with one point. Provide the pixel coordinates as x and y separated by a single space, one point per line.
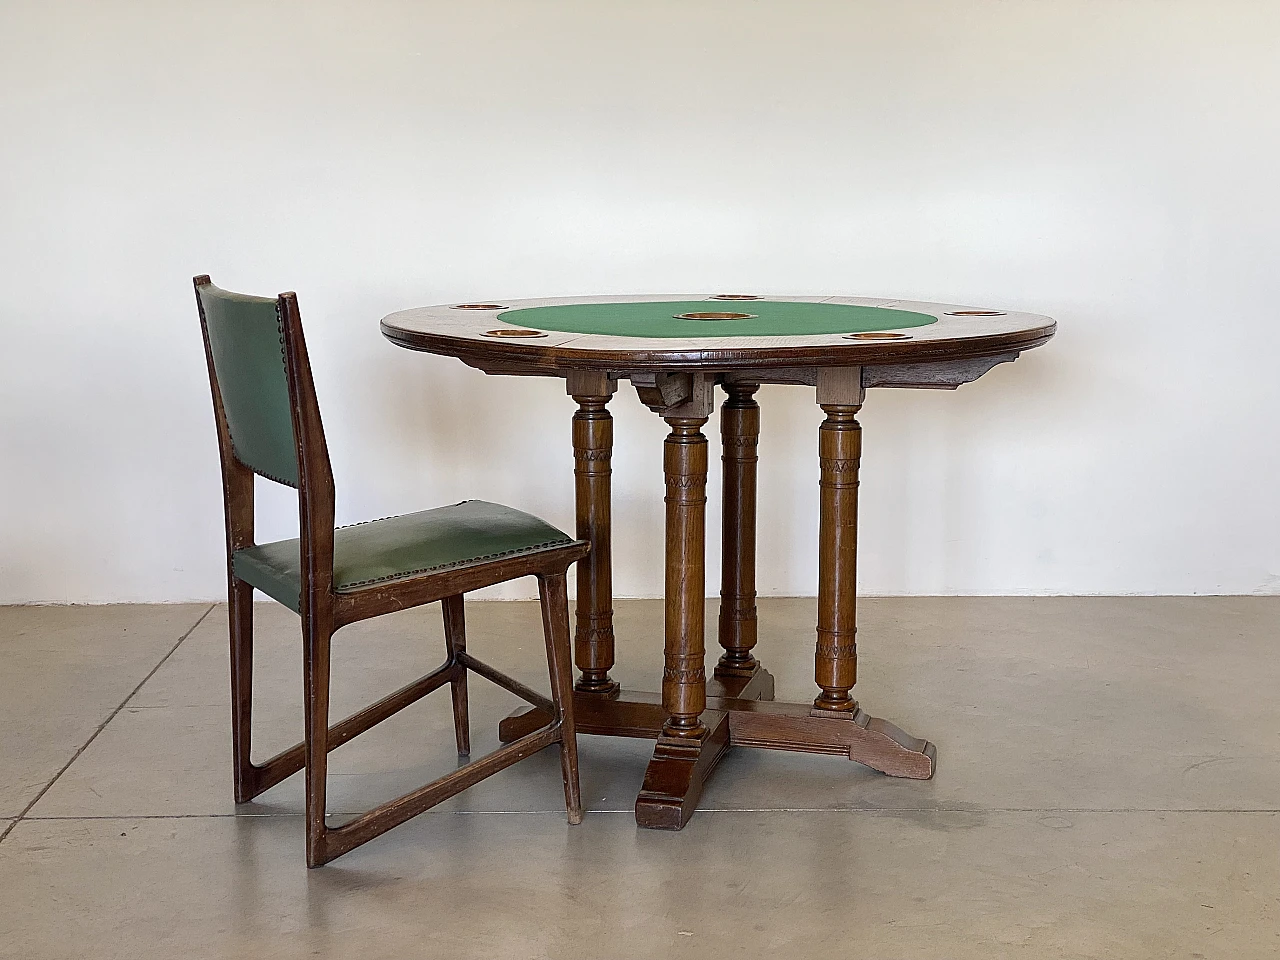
889 749
852 733
680 766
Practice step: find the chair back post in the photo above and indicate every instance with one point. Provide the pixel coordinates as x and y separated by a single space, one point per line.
315 473
237 479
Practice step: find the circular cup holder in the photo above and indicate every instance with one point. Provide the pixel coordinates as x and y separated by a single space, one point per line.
478 306
517 332
735 296
877 336
975 313
712 315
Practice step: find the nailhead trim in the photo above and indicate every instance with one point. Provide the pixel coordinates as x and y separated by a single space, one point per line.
534 548
284 359
287 483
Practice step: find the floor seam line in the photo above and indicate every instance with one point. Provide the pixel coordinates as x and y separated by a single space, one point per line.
620 812
103 725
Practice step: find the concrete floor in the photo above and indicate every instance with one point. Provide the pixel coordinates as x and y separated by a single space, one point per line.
1108 786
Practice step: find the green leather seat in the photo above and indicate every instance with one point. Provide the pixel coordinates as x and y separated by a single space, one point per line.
445 538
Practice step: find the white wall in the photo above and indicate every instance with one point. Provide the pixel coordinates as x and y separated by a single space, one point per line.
1112 164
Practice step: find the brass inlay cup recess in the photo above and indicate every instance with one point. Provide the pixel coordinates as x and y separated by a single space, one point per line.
735 296
975 313
512 332
478 306
712 315
877 336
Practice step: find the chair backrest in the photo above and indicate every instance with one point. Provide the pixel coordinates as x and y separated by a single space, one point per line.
268 420
245 344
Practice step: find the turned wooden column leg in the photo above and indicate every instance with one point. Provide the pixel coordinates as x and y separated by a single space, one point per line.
740 434
592 450
692 739
684 680
839 451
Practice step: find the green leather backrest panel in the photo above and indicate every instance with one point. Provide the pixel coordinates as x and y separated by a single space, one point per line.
247 341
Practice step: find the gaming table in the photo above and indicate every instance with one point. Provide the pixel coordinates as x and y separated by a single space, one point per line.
676 350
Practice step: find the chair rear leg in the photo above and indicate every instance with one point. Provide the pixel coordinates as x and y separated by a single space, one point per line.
555 626
240 615
455 638
317 630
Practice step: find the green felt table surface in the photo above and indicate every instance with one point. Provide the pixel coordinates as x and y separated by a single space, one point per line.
771 318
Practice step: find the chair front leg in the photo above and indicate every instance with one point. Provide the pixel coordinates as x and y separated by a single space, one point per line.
317 630
555 626
240 616
455 638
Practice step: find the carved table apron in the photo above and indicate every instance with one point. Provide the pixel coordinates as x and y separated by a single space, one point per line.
675 359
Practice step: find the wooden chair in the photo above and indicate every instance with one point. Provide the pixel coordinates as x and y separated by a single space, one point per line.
269 424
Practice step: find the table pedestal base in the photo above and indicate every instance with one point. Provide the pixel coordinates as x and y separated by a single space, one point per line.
740 712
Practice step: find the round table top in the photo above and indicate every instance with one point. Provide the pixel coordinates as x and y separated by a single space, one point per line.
709 332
